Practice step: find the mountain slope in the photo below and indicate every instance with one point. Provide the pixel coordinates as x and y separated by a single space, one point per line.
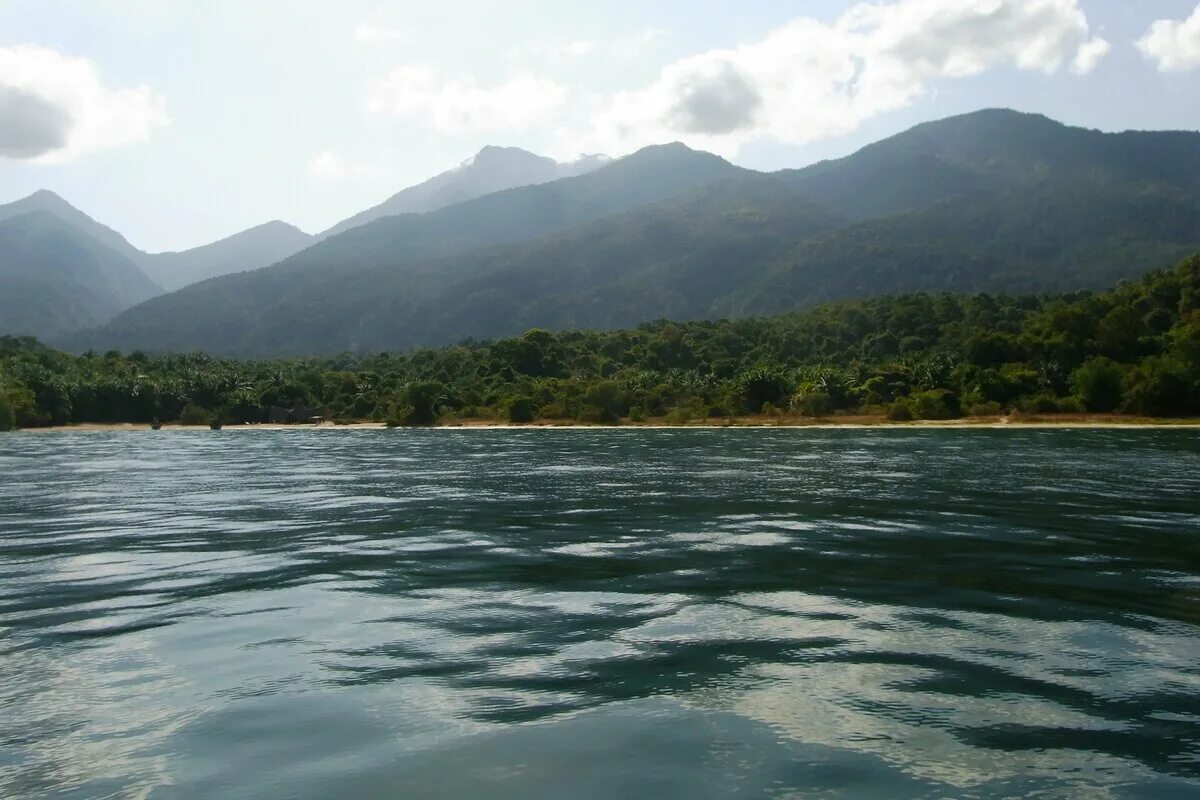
220 315
1040 238
51 203
251 249
674 259
493 169
988 152
993 201
54 278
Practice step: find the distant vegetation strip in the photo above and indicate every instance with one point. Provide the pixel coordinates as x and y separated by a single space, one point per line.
1134 349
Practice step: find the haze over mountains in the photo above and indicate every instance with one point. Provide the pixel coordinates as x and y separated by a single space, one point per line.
493 169
52 290
994 201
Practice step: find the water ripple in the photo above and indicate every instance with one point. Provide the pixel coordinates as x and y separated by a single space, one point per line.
699 613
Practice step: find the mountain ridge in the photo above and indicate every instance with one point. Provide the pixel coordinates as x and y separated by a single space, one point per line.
492 169
991 201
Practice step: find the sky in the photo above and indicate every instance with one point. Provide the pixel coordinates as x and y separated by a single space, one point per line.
181 122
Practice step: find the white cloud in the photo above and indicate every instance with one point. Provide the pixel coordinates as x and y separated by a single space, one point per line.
368 33
1090 55
55 107
808 79
460 105
1173 45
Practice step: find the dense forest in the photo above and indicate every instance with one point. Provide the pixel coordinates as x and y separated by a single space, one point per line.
1133 349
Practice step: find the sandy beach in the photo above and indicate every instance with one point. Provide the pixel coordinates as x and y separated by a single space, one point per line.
1049 421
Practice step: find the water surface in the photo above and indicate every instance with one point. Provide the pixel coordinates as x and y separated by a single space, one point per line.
600 614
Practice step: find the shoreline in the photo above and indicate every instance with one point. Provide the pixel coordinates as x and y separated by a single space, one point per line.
1033 422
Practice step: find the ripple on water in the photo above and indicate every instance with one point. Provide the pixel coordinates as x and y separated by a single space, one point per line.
696 613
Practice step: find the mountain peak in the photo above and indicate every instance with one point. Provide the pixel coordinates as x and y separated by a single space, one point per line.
673 152
44 199
45 194
493 169
497 156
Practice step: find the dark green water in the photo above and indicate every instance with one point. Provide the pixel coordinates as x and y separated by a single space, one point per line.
600 614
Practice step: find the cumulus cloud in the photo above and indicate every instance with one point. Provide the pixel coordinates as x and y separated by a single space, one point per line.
29 125
715 99
460 105
1174 45
1090 55
55 107
808 79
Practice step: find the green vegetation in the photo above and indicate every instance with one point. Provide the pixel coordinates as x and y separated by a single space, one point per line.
193 414
1133 349
8 419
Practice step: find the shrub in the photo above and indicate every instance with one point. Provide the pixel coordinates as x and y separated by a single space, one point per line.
555 410
813 404
936 404
681 415
520 410
1044 403
24 406
1159 387
1099 384
606 400
637 414
988 409
1071 405
419 403
597 416
717 411
900 412
761 386
8 419
194 414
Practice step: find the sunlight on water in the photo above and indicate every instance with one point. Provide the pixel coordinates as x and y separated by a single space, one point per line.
586 614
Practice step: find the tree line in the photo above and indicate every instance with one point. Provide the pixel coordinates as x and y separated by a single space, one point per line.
1134 349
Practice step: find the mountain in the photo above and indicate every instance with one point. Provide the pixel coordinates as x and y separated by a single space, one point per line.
988 152
1048 238
994 201
673 260
55 278
51 203
125 275
257 247
276 309
493 169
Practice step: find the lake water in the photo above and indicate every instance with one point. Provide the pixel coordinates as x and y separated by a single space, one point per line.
600 614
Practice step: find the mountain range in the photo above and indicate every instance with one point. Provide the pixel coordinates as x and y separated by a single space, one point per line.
71 272
994 201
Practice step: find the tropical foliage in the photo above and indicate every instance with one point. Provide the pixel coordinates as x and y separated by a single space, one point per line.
1133 349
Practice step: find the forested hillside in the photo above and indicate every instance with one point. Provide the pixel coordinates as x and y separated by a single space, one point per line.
54 277
61 270
995 201
1134 349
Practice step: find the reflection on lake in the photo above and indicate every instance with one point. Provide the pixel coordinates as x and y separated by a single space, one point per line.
592 613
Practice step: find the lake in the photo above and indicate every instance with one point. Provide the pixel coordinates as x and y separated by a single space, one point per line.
600 614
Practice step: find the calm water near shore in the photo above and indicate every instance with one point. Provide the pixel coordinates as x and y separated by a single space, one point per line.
600 614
